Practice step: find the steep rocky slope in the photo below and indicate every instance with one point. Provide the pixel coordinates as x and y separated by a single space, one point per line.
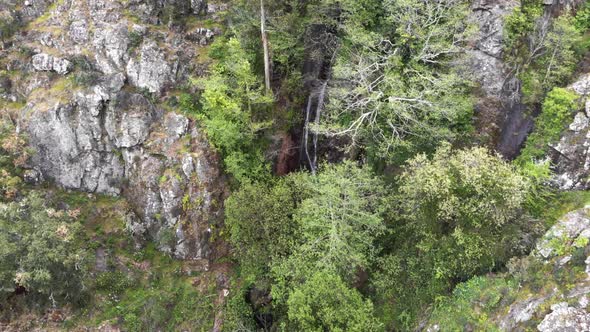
546 291
93 86
570 155
503 117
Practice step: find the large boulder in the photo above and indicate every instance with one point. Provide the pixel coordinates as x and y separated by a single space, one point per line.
151 71
46 62
571 227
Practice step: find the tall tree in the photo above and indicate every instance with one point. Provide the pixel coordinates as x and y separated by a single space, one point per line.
459 213
394 87
267 68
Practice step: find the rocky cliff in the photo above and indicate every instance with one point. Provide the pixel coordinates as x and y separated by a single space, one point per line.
503 118
547 291
570 156
93 87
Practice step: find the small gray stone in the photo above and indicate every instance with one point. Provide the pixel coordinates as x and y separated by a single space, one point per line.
42 62
61 66
32 176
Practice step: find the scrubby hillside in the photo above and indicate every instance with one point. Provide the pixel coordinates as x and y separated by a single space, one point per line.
176 165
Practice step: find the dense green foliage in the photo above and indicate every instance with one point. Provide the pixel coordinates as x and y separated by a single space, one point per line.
325 303
459 213
263 231
582 18
395 91
557 111
232 109
464 208
401 219
40 251
489 294
479 301
305 224
338 223
542 52
456 214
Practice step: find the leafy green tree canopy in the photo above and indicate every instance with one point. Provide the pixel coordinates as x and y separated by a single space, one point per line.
40 251
325 303
464 206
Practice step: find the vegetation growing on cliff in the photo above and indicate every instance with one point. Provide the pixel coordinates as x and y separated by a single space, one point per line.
391 212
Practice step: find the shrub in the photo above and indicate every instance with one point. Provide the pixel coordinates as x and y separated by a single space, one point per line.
232 102
114 283
472 304
325 303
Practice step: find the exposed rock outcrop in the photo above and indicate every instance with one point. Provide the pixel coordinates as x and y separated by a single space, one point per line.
548 290
573 226
46 62
564 318
503 119
571 155
107 127
500 119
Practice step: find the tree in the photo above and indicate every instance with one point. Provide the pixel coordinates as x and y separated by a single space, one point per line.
465 207
264 37
232 106
325 303
259 217
40 251
557 112
541 51
339 220
341 217
459 213
393 87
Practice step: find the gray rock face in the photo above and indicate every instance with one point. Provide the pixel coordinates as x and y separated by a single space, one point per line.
78 31
46 62
564 318
199 6
486 55
501 118
111 43
34 8
68 139
151 71
98 132
106 137
520 312
571 155
571 226
128 120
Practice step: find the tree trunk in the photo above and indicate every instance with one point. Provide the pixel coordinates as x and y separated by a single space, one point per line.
265 46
